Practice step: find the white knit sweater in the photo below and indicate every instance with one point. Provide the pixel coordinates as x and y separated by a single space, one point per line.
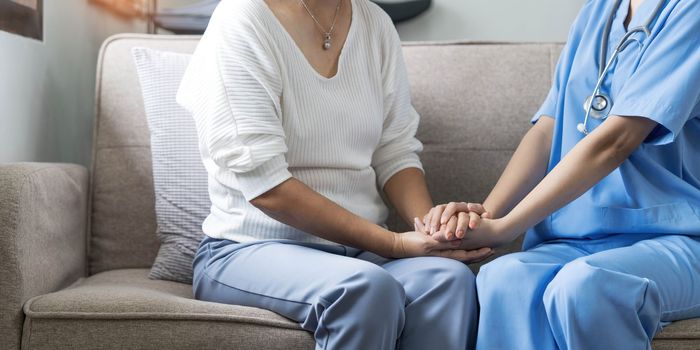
263 115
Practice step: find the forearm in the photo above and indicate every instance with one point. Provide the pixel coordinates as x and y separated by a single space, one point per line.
297 205
408 193
524 171
593 158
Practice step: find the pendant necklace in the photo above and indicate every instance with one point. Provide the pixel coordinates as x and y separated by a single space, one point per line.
326 33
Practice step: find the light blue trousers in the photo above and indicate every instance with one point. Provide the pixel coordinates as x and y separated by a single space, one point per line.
348 298
613 293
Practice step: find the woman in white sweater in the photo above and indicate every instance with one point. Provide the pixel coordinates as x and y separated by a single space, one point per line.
304 117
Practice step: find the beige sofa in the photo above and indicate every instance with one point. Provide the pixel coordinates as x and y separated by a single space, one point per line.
76 246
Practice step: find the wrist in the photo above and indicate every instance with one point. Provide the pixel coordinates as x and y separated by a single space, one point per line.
493 209
507 228
388 243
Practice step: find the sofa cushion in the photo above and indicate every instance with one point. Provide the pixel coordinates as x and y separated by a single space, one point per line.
179 177
125 309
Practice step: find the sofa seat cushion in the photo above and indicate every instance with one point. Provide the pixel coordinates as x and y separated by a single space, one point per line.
124 309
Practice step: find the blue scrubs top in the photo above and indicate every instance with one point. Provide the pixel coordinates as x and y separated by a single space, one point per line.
656 191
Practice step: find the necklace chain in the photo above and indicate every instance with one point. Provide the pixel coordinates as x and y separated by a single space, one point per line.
326 34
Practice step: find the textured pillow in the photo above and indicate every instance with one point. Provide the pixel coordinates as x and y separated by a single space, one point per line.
180 179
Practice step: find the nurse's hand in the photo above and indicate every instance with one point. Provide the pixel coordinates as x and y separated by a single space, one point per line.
490 233
451 221
416 243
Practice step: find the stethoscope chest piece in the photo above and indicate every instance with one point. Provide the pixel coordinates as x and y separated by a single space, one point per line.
599 105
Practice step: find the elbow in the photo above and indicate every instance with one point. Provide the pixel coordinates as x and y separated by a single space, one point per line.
619 137
618 149
268 202
275 200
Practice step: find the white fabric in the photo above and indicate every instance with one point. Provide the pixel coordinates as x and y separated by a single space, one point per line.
263 115
180 180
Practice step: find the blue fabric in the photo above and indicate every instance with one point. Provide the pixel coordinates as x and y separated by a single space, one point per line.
656 190
349 299
611 293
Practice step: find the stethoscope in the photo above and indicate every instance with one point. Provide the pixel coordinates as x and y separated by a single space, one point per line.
599 104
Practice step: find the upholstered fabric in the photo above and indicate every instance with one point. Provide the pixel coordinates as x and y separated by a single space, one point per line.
179 177
42 236
124 309
127 310
123 221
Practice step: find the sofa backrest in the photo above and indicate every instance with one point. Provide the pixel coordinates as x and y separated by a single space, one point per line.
475 101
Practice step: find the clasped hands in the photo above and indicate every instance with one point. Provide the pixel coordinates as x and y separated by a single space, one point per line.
462 231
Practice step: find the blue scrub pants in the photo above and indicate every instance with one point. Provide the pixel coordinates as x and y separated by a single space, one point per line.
349 299
612 293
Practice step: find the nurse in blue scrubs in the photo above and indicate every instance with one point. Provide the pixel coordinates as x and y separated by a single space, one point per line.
612 208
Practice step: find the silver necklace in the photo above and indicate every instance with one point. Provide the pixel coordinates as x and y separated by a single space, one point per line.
326 34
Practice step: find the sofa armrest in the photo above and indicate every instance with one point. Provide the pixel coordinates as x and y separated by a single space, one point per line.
43 222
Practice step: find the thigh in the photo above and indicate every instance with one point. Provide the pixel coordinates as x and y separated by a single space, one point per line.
543 261
420 275
282 276
671 262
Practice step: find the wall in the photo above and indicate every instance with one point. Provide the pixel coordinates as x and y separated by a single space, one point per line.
502 20
46 87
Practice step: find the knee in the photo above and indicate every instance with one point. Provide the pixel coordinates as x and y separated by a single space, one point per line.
507 278
577 283
501 274
370 285
451 274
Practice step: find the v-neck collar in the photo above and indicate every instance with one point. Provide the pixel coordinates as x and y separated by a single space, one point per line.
300 54
641 15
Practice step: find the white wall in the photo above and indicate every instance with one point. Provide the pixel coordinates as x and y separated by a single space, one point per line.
496 20
46 87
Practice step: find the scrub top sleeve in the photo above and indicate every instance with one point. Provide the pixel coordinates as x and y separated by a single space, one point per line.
665 86
549 106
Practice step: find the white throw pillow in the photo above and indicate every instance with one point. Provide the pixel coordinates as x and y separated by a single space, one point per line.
179 177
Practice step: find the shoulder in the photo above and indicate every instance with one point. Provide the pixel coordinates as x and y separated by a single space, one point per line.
372 12
239 30
237 16
379 26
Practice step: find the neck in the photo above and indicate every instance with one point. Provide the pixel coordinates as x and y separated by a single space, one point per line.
321 4
634 5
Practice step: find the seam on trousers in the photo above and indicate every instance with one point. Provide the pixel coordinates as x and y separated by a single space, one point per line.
254 293
328 333
685 309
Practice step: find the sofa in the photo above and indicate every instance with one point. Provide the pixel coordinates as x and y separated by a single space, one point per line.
76 245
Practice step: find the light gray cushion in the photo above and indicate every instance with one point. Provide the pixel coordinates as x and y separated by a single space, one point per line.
179 177
124 309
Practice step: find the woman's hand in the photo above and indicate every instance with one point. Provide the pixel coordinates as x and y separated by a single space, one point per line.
450 221
416 243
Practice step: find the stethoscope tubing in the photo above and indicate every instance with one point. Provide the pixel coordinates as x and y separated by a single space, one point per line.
621 46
